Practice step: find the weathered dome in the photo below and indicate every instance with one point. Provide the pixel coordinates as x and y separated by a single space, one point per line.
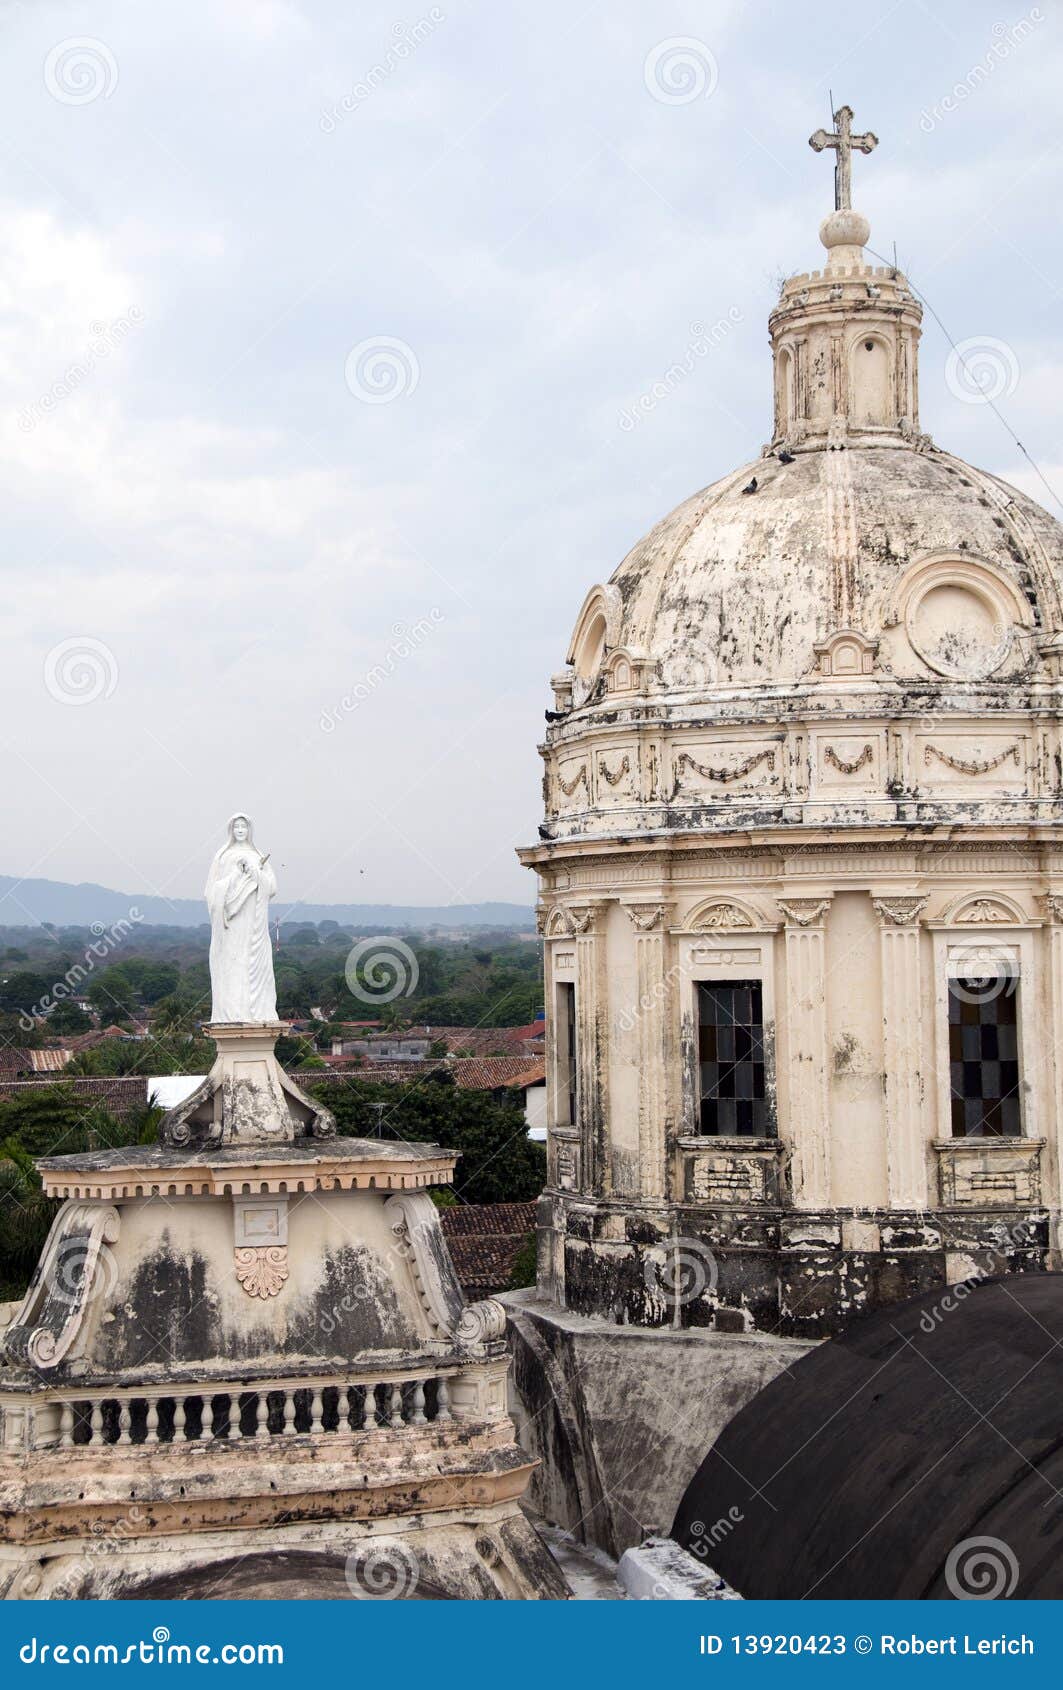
737 588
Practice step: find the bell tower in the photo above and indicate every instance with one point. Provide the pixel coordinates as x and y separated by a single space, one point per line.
845 338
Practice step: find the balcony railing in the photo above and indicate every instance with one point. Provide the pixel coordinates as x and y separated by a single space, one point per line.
230 1413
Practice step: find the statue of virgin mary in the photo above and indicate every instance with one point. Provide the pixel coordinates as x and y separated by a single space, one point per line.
239 887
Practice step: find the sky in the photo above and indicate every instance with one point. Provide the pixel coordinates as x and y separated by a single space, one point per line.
323 333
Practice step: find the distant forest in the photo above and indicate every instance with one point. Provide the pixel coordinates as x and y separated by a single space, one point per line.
161 974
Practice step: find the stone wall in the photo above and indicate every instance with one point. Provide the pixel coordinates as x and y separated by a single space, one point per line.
621 1417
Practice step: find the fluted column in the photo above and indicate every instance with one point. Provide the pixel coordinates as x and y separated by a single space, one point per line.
902 1051
587 921
651 1032
806 1021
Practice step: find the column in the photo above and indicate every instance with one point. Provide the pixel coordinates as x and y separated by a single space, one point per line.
806 1021
902 1051
652 1009
588 922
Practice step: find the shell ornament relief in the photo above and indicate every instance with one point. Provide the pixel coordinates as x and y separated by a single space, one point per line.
261 1269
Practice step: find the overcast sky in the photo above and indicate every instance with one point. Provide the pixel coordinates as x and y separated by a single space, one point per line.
316 379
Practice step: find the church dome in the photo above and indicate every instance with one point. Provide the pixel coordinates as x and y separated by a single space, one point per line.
800 869
853 577
949 571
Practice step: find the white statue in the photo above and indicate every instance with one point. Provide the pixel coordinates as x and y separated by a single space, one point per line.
239 887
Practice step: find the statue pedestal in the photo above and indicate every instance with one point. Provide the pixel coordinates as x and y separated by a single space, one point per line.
247 1098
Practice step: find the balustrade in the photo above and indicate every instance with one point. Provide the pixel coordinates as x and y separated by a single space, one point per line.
260 1413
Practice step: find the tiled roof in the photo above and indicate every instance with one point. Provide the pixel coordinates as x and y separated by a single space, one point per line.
480 1041
14 1061
533 1075
488 1073
470 1073
483 1239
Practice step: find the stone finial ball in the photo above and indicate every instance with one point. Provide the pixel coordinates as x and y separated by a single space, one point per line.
844 228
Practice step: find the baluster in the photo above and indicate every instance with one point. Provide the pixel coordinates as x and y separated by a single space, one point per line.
262 1415
417 1418
369 1409
289 1413
96 1422
315 1411
124 1418
178 1420
396 1407
66 1426
236 1431
152 1434
206 1421
343 1409
443 1401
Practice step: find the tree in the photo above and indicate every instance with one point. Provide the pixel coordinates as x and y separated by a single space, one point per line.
113 994
525 1264
297 1052
22 989
66 1017
499 1162
26 1216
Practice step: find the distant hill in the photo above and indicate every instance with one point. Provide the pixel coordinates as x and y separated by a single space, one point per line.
27 903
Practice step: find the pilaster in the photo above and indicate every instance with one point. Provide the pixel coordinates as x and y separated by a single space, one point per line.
653 1043
902 1052
588 926
806 1021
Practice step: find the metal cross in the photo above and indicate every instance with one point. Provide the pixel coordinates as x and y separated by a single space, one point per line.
843 142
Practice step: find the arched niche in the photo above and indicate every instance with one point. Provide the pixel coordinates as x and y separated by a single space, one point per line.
871 398
784 389
597 628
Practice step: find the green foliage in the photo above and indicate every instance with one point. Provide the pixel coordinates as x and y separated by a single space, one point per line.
23 987
524 1265
492 981
49 1121
168 1053
25 1218
297 1052
499 1162
66 1017
112 993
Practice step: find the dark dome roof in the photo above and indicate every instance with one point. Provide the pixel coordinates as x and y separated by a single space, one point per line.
880 1464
